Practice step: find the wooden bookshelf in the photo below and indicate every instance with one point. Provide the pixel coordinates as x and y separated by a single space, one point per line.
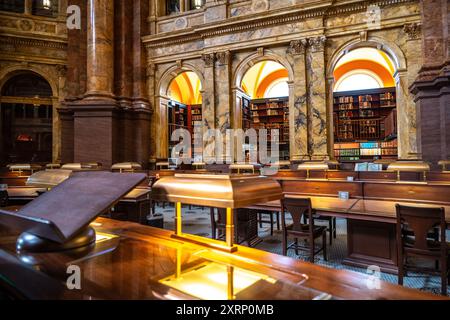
365 118
272 114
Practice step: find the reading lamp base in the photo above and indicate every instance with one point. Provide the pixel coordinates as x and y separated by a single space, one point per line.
31 243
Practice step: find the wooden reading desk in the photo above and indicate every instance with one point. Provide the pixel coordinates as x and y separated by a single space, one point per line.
131 261
371 235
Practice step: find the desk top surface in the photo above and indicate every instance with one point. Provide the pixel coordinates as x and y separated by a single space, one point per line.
379 208
131 261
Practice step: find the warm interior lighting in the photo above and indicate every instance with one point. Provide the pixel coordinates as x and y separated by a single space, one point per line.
46 4
359 80
186 89
266 78
210 281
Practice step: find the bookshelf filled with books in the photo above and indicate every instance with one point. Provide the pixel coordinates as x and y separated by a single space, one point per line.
270 114
365 125
187 117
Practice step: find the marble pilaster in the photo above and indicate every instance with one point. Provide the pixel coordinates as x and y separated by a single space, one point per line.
318 137
223 95
298 115
406 107
208 104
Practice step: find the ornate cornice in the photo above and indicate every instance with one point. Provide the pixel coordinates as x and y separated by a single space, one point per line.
247 23
27 42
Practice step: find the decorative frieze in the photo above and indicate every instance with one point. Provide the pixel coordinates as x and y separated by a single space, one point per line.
208 59
413 30
260 5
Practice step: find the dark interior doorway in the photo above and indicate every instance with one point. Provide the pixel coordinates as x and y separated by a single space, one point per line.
26 115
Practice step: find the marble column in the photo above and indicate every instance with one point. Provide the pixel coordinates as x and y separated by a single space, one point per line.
223 99
100 49
298 107
317 109
432 86
208 105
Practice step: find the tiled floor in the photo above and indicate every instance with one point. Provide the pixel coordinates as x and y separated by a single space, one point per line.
197 221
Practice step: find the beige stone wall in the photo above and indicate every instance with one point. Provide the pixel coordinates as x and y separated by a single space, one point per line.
37 44
307 39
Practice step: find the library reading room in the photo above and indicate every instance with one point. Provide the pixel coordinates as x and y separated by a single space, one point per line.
224 150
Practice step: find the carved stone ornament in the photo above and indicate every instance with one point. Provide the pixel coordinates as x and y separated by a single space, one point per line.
298 46
413 30
181 23
260 5
318 43
25 25
208 59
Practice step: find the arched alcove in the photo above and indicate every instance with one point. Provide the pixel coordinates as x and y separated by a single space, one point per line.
26 116
366 100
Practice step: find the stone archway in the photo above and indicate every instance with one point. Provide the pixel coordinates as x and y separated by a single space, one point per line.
241 70
160 116
406 115
27 101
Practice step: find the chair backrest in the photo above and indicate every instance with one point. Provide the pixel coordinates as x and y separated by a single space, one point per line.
420 221
297 207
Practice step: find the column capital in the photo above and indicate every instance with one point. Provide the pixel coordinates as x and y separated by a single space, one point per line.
297 47
208 59
317 44
413 31
223 58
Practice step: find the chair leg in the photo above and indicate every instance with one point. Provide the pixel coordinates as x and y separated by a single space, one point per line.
213 224
324 243
330 227
401 272
334 228
311 251
444 276
260 220
284 244
296 246
278 220
271 224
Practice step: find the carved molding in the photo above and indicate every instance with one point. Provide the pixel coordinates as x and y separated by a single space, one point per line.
298 46
317 44
33 43
265 22
208 59
413 30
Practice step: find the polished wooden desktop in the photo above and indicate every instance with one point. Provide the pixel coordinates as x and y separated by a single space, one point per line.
135 261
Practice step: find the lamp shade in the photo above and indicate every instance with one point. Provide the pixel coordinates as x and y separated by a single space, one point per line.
219 191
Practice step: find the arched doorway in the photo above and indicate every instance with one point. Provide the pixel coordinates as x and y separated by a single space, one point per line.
365 106
26 114
264 97
184 110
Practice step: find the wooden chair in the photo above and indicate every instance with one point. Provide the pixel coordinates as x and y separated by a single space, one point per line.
298 207
270 221
331 224
415 239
